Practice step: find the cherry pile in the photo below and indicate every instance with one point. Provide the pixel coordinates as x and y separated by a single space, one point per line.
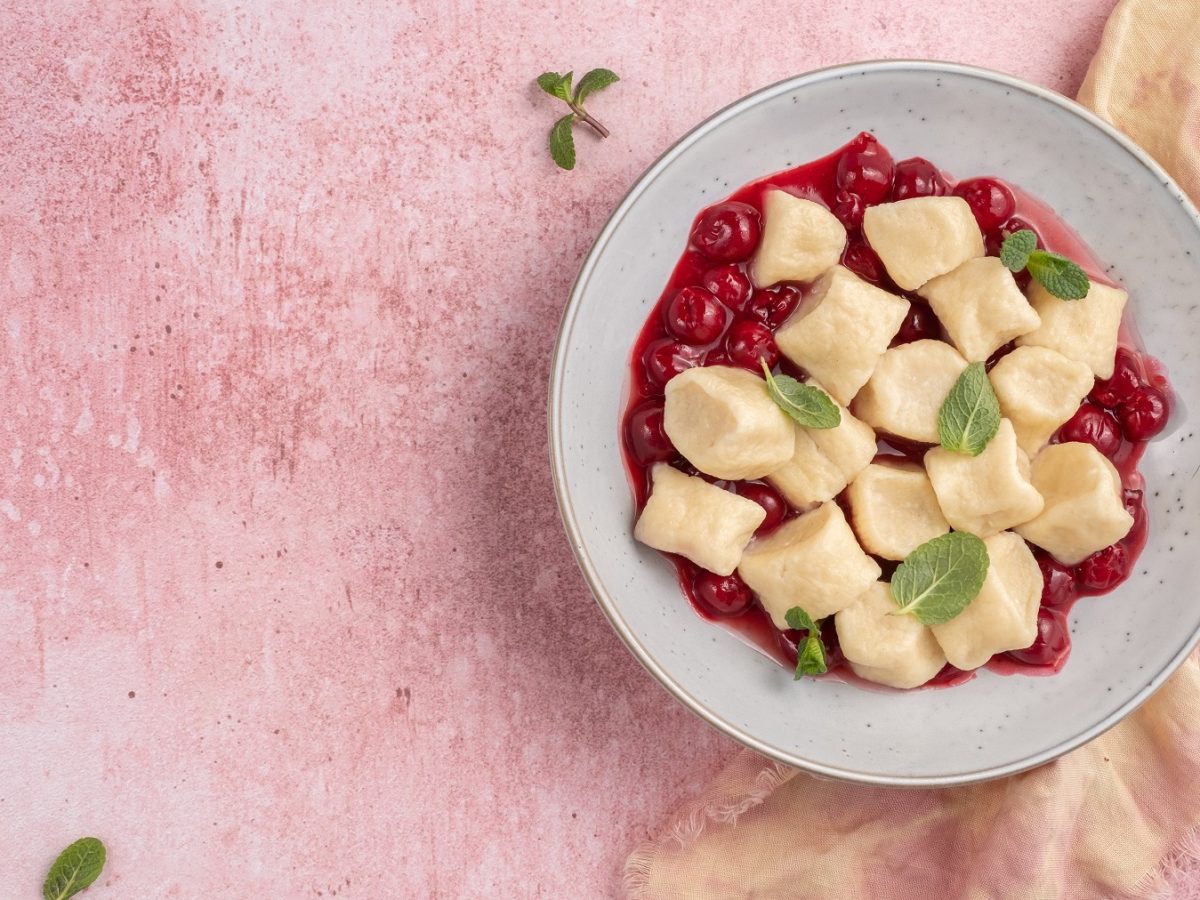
711 314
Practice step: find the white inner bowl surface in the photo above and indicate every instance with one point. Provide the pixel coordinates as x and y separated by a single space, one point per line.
968 122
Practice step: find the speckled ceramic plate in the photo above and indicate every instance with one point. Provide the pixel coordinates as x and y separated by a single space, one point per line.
969 121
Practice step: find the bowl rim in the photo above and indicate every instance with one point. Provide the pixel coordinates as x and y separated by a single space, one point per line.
558 450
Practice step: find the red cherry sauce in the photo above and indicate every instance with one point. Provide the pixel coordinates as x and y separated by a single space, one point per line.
651 366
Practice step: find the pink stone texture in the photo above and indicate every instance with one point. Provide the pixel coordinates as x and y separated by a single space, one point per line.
285 606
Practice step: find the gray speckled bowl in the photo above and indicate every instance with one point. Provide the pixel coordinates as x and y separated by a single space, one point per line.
968 121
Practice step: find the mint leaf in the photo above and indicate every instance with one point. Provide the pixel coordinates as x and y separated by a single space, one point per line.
562 142
556 85
810 660
593 81
940 578
798 619
74 870
970 414
807 405
1057 274
810 655
1015 250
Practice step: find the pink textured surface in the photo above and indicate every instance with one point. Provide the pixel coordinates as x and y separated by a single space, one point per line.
285 607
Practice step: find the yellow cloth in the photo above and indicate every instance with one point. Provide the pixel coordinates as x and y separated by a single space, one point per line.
1096 823
1145 80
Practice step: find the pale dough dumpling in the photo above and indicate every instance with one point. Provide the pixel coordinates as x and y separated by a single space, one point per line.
800 240
893 509
809 477
689 516
897 651
825 460
1084 511
1039 389
1085 329
987 493
725 424
840 330
922 237
1004 614
812 562
908 387
980 306
851 445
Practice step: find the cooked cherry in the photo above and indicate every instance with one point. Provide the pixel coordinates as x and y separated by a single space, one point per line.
664 359
769 499
1144 414
864 262
727 232
1058 582
722 595
1052 644
866 169
728 284
748 342
1092 425
994 239
695 316
919 324
772 307
1016 223
648 441
691 268
1118 387
990 201
918 177
1104 570
849 209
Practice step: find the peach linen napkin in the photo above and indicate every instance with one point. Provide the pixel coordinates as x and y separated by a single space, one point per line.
1106 821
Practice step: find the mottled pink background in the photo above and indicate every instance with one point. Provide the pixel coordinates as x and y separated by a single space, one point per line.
285 606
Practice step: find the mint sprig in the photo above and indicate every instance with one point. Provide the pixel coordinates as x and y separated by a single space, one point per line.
74 870
970 414
940 578
562 140
807 405
1057 274
810 655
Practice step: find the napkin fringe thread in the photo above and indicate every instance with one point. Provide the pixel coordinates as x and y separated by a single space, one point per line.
1156 884
691 821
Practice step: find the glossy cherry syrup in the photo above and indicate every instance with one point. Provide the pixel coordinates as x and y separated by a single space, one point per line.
1119 417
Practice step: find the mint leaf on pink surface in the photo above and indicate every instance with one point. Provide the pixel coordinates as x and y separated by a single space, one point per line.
556 85
593 81
75 869
562 142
